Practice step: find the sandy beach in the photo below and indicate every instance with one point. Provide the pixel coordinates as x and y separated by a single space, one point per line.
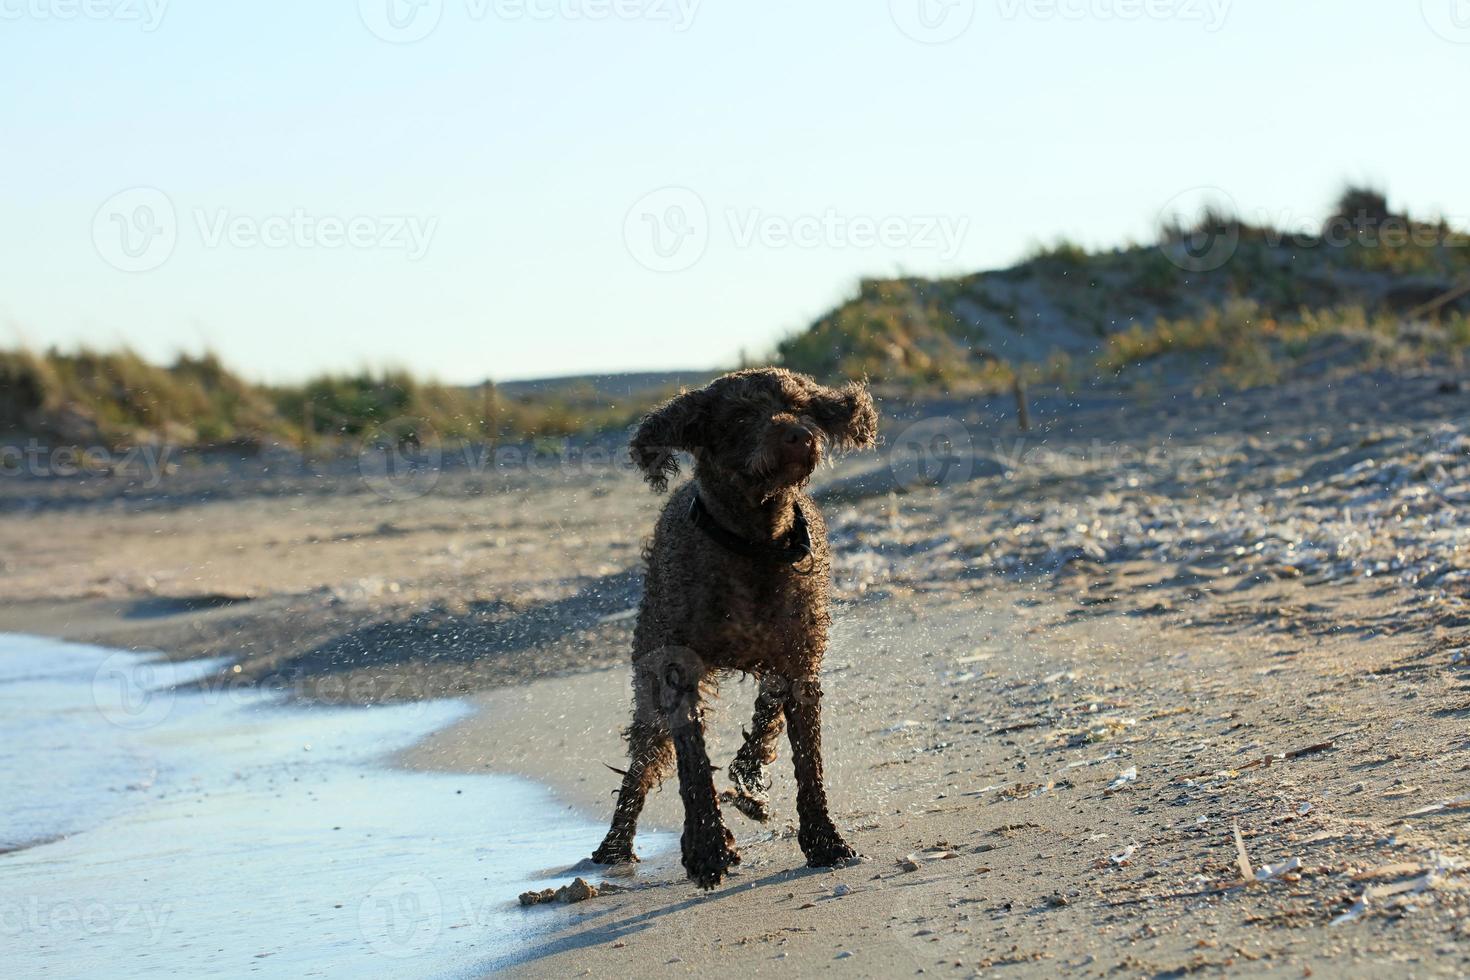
1032 436
1159 688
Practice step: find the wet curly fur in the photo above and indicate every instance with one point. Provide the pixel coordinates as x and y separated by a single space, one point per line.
756 437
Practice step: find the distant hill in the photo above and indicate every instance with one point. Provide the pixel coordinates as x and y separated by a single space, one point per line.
630 385
1068 312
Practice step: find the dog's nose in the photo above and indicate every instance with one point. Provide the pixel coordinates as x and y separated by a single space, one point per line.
798 445
800 437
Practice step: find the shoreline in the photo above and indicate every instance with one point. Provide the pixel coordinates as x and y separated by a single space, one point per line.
499 733
427 872
492 737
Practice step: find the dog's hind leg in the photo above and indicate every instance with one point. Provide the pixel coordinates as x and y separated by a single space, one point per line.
748 771
649 754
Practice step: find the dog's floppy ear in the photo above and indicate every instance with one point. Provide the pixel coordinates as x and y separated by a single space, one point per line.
678 424
846 415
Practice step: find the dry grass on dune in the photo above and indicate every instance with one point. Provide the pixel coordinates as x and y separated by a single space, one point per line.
118 398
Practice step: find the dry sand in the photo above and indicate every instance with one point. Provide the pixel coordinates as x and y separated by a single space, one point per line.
1043 745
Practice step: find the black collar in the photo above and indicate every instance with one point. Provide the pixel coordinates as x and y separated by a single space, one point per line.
794 547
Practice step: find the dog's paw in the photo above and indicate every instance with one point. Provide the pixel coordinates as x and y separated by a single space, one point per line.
756 807
707 859
828 851
708 870
612 854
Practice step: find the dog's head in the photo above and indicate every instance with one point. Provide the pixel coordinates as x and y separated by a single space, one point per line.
763 429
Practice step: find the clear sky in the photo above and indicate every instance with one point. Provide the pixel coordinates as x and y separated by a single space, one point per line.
513 188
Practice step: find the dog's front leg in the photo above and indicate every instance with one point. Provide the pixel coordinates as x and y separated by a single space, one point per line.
748 770
819 838
708 846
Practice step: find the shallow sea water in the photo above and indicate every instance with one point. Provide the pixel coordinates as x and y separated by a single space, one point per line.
146 830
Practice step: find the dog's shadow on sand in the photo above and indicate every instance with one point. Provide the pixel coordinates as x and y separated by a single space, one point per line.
621 929
489 634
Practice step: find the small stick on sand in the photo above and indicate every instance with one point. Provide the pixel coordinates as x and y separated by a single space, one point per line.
1241 857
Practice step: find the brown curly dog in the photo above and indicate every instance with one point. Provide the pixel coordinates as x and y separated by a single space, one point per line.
738 580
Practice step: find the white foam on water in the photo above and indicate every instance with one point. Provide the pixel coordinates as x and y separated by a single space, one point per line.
161 831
